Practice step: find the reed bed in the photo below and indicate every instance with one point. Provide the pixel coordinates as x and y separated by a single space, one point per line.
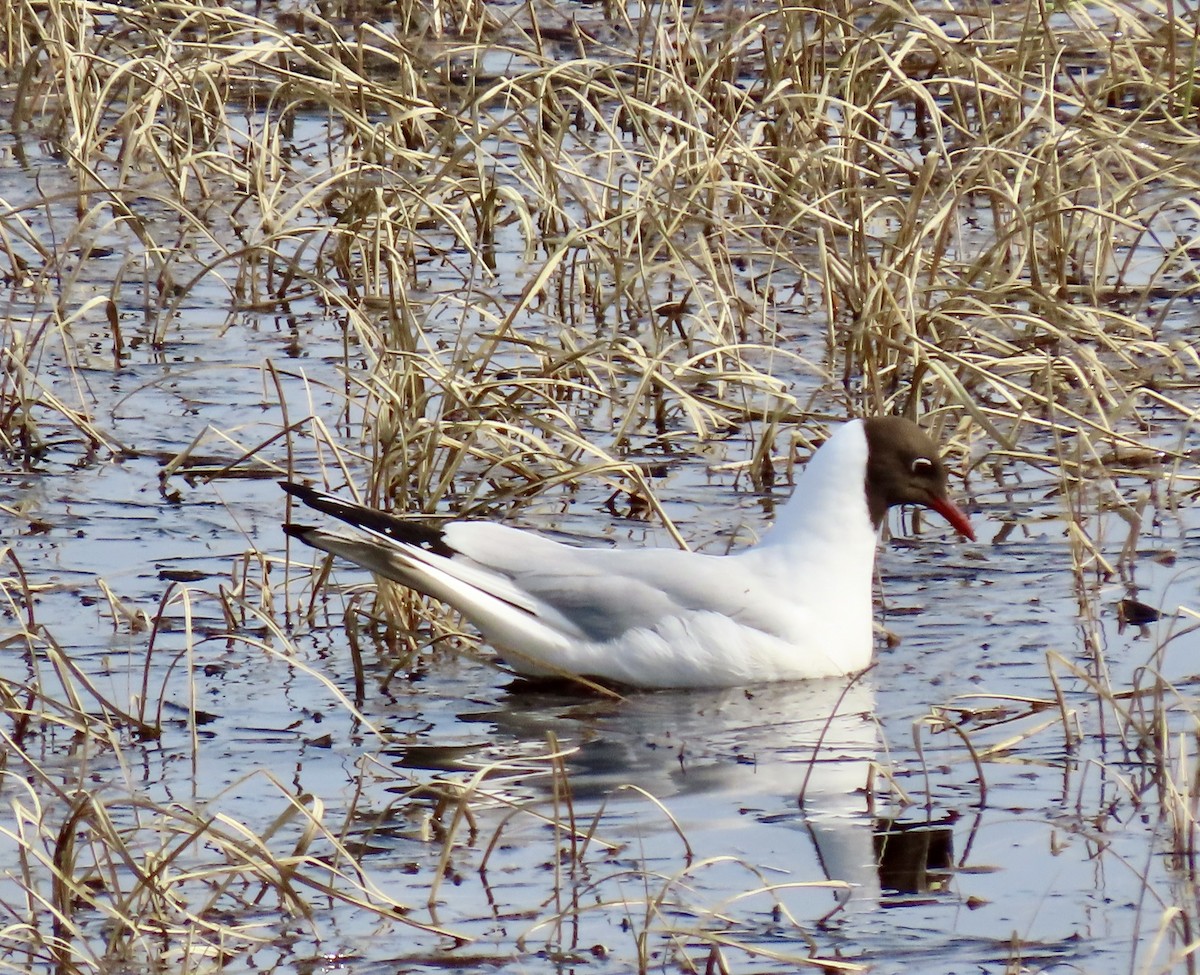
545 252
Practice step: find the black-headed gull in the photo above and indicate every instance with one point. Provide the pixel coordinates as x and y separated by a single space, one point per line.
795 606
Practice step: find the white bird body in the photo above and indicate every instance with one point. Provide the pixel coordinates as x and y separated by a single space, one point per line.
796 606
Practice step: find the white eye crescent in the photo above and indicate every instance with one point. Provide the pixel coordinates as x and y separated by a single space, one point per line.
922 465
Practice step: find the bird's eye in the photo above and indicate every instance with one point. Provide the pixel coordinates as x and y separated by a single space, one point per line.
922 466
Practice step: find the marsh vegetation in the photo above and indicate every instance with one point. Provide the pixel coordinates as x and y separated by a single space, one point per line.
608 270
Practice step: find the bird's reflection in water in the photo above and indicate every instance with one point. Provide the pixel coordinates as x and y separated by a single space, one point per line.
797 757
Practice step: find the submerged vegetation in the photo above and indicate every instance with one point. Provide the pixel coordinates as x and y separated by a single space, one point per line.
493 259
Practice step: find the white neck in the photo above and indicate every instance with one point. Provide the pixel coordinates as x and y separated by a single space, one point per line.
820 554
829 505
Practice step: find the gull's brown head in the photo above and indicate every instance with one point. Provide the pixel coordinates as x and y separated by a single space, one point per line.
904 466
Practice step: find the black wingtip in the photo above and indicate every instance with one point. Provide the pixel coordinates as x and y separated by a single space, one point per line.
296 531
296 490
403 530
327 504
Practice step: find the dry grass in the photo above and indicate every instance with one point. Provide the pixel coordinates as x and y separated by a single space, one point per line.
560 250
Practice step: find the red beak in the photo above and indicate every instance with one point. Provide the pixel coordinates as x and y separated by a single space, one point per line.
956 518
